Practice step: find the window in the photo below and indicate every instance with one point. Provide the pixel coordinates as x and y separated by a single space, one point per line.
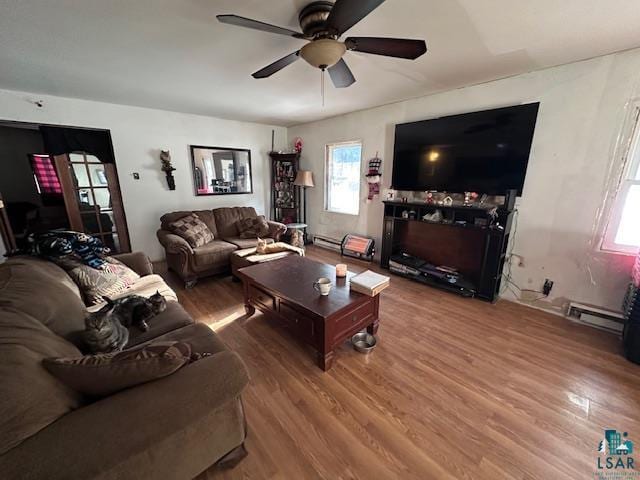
342 171
622 233
46 177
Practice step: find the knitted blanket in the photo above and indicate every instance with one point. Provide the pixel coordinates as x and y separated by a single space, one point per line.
56 244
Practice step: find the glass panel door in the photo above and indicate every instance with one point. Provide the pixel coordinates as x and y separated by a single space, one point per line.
94 199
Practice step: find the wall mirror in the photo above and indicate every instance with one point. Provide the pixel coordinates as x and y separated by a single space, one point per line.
221 171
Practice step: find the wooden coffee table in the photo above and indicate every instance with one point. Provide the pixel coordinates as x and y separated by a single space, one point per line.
283 290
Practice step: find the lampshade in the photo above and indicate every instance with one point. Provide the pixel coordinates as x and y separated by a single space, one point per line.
323 53
304 178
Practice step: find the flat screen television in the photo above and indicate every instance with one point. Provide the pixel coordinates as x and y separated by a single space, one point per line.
484 152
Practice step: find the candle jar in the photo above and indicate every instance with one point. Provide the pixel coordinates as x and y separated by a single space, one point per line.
341 270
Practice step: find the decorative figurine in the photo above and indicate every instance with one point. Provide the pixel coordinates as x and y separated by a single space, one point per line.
168 168
433 217
430 200
297 145
493 216
469 198
373 177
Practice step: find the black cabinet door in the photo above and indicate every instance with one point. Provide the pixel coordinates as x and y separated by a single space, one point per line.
492 267
387 241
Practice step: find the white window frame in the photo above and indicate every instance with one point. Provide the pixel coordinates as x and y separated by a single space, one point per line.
630 169
327 175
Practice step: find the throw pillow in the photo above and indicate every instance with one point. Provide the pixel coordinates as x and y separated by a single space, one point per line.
253 227
103 374
114 278
192 229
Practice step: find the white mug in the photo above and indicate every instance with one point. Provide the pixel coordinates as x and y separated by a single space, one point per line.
323 285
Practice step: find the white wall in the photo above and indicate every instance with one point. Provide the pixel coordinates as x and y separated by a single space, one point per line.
138 135
581 113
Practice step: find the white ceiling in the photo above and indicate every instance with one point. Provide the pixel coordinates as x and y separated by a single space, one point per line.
174 55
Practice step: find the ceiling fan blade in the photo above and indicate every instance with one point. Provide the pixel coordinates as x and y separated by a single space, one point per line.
256 25
341 75
276 66
390 47
346 13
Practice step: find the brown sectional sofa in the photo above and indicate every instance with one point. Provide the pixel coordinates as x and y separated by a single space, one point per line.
171 428
214 257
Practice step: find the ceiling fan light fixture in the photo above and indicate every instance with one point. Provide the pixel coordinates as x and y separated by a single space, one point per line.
323 53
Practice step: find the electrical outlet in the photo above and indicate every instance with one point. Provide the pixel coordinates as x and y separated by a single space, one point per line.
546 288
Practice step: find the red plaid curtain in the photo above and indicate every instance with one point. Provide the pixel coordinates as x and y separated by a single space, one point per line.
46 175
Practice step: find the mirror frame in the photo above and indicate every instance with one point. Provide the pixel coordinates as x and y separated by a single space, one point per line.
193 170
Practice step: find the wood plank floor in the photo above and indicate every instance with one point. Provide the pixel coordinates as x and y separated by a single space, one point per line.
456 388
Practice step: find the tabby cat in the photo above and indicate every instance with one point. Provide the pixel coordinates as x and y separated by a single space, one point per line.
135 310
103 332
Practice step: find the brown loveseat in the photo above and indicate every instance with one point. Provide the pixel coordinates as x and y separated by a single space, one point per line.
171 428
214 257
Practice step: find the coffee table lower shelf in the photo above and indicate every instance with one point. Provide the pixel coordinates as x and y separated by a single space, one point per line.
323 333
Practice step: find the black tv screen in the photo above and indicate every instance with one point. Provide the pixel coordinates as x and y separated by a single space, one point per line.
484 152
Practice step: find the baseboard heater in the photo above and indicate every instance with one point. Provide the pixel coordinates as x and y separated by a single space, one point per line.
596 317
327 242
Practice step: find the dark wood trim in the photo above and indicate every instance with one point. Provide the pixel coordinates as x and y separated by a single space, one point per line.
6 232
117 206
193 171
9 123
69 192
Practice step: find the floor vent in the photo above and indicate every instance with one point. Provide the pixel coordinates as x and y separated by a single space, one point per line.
327 242
596 317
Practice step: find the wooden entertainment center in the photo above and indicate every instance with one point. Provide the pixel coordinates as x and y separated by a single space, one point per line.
467 239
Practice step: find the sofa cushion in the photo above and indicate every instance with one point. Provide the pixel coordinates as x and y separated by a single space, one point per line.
172 318
253 227
205 215
59 305
30 397
213 253
199 336
227 218
145 287
104 374
193 230
244 243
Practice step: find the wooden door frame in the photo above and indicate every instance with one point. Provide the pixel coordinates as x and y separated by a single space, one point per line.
68 192
117 205
6 232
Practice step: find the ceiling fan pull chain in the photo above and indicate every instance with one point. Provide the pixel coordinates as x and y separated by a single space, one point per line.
322 86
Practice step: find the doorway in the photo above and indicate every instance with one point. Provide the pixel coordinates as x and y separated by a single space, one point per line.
42 192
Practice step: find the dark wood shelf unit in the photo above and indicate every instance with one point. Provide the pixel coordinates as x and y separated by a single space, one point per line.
285 196
478 252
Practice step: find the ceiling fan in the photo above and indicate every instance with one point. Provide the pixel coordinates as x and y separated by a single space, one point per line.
322 24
